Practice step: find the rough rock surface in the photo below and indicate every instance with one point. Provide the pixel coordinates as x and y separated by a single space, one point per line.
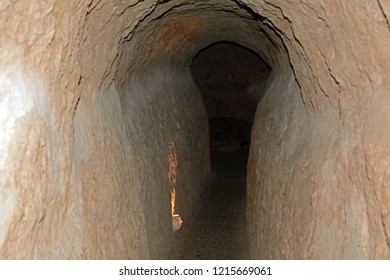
318 170
100 118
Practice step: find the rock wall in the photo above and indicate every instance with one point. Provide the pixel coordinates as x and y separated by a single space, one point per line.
87 165
100 118
312 188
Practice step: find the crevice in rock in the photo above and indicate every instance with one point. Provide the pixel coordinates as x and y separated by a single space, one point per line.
385 14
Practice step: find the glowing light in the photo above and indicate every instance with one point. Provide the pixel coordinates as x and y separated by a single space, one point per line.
176 219
173 199
172 166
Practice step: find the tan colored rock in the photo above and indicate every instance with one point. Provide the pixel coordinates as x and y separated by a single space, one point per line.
96 95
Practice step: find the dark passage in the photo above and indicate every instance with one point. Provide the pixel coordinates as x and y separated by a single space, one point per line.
228 134
231 79
217 229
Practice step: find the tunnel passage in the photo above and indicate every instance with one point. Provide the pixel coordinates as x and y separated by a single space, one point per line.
230 79
101 118
217 228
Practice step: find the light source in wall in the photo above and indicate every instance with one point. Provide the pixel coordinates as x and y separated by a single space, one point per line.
176 219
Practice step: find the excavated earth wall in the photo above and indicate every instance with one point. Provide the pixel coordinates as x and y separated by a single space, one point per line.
100 118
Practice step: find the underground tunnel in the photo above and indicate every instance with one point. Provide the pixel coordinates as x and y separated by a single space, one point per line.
101 118
230 80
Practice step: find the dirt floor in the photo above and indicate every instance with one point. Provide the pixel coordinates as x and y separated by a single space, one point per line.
217 229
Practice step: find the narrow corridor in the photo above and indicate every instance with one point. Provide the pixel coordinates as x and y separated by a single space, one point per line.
107 105
217 229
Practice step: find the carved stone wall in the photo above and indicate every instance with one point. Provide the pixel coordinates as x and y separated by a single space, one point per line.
96 99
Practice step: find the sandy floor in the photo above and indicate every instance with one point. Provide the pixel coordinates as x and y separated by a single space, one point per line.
217 229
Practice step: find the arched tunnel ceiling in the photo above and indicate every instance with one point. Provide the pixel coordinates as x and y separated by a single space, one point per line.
174 34
284 38
231 80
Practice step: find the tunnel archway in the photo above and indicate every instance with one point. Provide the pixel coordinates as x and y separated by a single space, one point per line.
164 76
231 79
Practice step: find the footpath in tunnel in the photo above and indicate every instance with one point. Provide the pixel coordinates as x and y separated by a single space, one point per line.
217 228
